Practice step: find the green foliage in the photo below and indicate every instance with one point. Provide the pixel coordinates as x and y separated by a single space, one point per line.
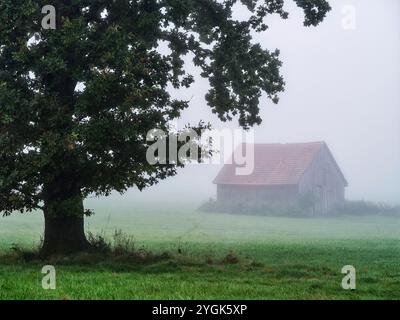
301 208
120 244
76 102
364 208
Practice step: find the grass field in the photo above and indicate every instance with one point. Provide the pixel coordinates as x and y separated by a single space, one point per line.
210 256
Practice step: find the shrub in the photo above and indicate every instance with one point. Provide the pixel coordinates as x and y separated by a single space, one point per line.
231 258
300 208
98 243
123 243
363 208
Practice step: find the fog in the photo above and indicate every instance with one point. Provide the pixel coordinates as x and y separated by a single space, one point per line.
342 87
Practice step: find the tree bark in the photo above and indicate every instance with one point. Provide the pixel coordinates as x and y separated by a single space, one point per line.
64 231
64 235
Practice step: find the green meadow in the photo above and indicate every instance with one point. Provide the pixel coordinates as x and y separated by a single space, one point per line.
186 254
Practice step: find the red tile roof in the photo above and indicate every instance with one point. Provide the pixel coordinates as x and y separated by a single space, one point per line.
274 164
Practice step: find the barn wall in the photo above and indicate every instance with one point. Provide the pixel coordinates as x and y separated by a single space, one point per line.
257 194
323 180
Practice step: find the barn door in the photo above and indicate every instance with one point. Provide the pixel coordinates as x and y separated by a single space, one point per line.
324 201
321 201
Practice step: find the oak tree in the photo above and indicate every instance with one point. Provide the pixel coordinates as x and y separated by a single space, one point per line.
77 101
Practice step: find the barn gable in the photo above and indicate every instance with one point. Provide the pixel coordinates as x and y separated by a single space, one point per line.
285 173
274 164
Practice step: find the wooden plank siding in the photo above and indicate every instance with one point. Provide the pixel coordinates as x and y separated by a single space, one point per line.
324 181
257 194
308 171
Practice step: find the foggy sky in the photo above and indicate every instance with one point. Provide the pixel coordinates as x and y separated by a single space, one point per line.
342 87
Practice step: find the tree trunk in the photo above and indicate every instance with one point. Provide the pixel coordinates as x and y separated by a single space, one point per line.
64 231
64 235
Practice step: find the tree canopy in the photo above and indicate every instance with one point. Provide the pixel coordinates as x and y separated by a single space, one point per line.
77 101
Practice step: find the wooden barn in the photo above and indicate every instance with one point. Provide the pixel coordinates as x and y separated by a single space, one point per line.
285 174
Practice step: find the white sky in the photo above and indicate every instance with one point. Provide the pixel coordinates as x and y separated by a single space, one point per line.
343 87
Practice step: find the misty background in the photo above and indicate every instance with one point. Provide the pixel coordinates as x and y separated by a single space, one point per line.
342 87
